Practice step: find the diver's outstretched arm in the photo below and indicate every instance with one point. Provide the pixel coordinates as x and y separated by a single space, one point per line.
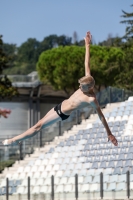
111 137
87 53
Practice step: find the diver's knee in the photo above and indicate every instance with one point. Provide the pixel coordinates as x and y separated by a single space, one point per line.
38 125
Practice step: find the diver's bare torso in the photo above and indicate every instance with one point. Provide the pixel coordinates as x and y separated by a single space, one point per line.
78 100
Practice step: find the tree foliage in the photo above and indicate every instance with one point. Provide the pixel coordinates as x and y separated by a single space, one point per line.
105 64
11 51
28 51
63 66
25 57
3 58
129 22
125 78
112 41
6 89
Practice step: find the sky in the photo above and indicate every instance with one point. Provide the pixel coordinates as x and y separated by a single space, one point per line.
23 19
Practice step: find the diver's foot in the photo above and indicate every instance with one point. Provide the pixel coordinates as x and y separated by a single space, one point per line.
8 142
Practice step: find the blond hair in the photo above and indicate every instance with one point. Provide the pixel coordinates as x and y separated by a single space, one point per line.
89 80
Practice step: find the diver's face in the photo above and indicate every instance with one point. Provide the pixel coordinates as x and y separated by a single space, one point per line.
85 87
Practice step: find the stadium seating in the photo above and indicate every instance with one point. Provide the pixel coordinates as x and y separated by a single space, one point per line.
85 152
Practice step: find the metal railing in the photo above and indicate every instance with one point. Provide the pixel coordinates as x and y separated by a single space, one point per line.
113 95
83 190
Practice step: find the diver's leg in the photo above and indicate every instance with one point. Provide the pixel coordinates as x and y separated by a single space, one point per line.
50 118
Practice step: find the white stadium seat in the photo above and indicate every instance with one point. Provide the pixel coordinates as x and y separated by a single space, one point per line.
40 182
35 190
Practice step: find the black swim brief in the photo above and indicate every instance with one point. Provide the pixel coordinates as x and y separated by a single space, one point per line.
58 110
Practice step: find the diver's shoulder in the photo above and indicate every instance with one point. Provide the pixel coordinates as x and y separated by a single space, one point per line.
77 91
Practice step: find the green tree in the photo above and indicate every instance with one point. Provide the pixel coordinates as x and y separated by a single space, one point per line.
25 57
6 89
53 41
63 66
11 51
124 79
129 22
112 42
48 43
105 64
28 51
27 54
